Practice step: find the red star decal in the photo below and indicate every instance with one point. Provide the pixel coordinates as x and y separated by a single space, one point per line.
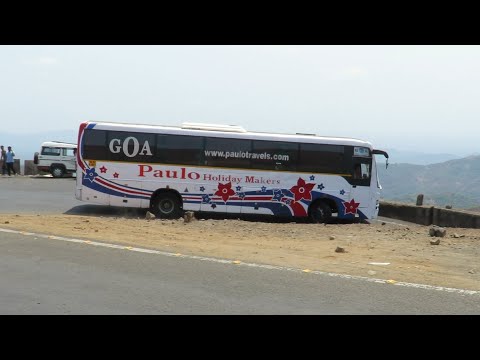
350 207
115 175
103 169
225 191
302 190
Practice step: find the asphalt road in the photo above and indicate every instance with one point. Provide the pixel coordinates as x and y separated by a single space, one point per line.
49 276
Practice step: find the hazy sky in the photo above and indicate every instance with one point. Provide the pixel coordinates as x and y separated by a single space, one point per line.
424 98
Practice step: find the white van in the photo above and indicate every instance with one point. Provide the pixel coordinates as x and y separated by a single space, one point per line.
56 157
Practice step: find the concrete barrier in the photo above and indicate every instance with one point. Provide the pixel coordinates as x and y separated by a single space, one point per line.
30 168
16 166
429 215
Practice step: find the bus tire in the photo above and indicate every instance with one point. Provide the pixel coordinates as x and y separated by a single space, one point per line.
320 212
167 206
57 171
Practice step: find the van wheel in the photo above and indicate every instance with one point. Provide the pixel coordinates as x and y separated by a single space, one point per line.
320 212
57 171
167 206
35 158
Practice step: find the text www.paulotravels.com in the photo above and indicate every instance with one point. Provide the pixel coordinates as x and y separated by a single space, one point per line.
245 155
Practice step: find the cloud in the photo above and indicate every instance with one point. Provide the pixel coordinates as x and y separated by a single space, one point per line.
43 60
47 60
355 72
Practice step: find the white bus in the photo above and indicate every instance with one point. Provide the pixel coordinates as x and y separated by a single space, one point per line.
224 168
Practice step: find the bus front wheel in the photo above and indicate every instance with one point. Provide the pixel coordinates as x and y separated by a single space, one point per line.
167 206
320 212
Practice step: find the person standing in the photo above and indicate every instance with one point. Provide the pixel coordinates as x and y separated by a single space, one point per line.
9 156
3 159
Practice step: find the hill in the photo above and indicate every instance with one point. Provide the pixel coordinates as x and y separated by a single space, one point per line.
454 182
417 157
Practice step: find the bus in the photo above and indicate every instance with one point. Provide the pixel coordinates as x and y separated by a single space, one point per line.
226 169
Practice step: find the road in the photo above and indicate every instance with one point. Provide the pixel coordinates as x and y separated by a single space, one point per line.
42 275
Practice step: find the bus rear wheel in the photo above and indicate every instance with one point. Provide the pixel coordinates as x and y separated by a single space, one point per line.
320 212
167 206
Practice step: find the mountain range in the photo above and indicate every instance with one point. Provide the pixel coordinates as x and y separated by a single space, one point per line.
453 182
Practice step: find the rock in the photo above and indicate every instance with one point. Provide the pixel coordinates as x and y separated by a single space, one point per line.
471 271
332 237
435 242
440 232
188 216
339 249
437 231
150 216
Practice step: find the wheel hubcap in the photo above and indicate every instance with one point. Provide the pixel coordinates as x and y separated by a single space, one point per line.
166 207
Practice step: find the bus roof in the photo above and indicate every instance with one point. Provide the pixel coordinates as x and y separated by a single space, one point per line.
226 131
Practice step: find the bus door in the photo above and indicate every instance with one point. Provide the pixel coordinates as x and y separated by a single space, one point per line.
376 187
360 185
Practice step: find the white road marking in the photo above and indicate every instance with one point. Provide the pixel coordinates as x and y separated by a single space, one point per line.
238 263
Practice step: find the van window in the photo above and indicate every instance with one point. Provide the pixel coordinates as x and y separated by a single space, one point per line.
69 152
51 151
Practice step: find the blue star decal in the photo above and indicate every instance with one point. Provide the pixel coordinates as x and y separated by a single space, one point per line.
264 189
342 192
90 174
312 177
206 199
213 206
239 188
277 195
241 195
287 192
202 189
321 187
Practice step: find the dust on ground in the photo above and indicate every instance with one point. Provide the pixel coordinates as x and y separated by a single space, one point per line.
455 262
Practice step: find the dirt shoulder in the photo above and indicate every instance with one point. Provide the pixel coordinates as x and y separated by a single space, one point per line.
455 262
